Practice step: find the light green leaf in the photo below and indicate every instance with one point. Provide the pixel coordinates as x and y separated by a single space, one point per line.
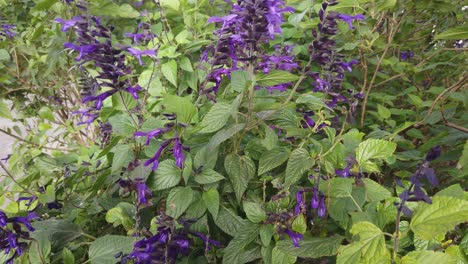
299 224
224 134
426 256
282 257
456 33
386 4
174 4
368 246
275 77
245 236
44 4
185 64
218 116
178 201
271 138
182 38
254 212
206 157
298 163
339 187
103 249
374 149
375 191
67 256
455 191
313 102
383 111
4 110
4 55
40 250
311 247
181 106
240 169
230 222
150 80
272 159
122 214
167 175
208 176
431 220
211 199
239 80
266 233
122 125
169 70
123 155
462 162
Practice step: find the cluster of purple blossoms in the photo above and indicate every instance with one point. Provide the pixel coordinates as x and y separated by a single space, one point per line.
6 30
139 186
283 223
332 67
317 202
142 35
346 172
415 192
250 23
11 232
177 149
94 46
406 55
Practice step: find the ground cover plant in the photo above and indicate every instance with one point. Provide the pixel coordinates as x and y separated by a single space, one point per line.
247 131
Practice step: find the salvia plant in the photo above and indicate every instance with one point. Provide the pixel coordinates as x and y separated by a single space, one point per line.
237 131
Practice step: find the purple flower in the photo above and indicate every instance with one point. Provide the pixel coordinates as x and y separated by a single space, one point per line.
178 153
295 237
406 55
82 50
314 202
155 159
133 90
138 53
348 65
208 241
143 193
300 204
25 220
29 199
67 24
434 153
7 30
151 134
3 219
54 205
322 209
349 19
346 172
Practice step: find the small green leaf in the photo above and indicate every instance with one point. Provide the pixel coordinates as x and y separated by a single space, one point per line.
211 199
299 224
383 111
456 33
266 233
240 169
254 212
167 175
174 4
455 191
282 257
67 256
244 237
298 163
368 246
169 70
312 247
224 134
4 55
122 125
375 191
122 214
104 249
272 159
426 256
4 110
432 220
217 117
275 77
374 149
178 201
181 106
185 64
239 80
208 176
123 155
313 102
462 162
230 222
386 4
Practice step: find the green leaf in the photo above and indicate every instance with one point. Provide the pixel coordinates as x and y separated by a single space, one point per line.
254 212
240 169
313 102
374 149
167 175
4 55
46 113
67 256
122 125
185 63
432 220
299 224
245 235
386 4
208 176
224 134
274 77
462 162
312 247
44 4
122 214
266 233
169 70
4 110
211 199
178 201
229 221
339 187
174 4
181 106
123 155
375 191
104 249
282 257
456 33
59 232
217 117
298 163
368 246
104 8
426 256
239 80
383 111
40 250
272 159
455 191
206 157
271 138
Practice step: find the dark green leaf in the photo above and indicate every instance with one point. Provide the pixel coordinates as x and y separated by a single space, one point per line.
275 77
178 201
104 249
240 169
311 247
298 163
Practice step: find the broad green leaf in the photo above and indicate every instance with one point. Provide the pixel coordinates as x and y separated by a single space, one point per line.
455 191
375 191
383 111
230 222
169 70
58 232
245 236
67 256
46 113
300 224
239 80
122 214
206 157
150 80
431 220
374 149
272 159
352 139
462 162
368 246
208 176
211 199
167 175
104 8
122 125
313 102
4 55
426 256
311 247
185 64
178 201
181 106
271 138
4 110
254 212
44 4
282 257
174 4
40 250
274 77
240 169
337 187
386 4
217 117
123 155
104 249
266 233
298 163
456 33
224 134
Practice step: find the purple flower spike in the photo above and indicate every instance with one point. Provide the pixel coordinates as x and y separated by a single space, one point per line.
143 193
178 153
7 30
295 237
348 65
349 19
300 204
322 209
133 90
3 219
406 55
155 159
345 173
434 153
67 24
138 53
314 202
